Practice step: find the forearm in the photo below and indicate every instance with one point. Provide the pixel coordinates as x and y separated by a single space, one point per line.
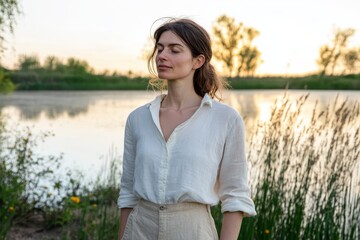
124 214
231 225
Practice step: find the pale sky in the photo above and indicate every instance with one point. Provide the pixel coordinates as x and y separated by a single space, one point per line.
110 34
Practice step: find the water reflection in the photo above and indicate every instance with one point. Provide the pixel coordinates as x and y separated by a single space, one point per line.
87 124
252 105
31 105
256 106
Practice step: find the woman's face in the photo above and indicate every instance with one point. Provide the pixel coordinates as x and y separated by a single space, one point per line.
173 59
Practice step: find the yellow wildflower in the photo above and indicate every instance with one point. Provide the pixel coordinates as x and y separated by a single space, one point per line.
267 231
11 209
94 205
75 199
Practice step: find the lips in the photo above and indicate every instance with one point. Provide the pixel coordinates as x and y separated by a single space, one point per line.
162 66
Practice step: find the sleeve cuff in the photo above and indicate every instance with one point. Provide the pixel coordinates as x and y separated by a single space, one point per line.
245 205
127 202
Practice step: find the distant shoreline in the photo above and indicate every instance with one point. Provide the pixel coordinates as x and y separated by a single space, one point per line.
41 80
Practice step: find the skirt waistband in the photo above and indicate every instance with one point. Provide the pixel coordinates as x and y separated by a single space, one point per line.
170 207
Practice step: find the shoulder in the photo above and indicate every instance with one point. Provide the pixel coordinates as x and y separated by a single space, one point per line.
226 111
229 118
139 111
143 110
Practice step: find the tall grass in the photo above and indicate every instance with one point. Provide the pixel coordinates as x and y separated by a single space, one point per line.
304 173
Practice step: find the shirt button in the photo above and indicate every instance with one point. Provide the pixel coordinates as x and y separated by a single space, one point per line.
162 208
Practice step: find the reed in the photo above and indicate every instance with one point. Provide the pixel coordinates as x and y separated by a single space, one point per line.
304 173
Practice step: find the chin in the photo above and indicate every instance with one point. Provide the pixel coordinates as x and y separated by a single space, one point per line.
164 76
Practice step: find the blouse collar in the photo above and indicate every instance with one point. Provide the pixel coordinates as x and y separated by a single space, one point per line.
206 100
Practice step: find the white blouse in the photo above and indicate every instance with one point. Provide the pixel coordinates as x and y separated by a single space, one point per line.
204 159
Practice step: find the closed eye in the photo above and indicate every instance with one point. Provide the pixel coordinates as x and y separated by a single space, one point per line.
174 47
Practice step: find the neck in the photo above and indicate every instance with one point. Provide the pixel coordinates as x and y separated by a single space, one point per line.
181 95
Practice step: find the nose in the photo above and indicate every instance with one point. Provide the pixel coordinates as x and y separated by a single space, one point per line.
162 55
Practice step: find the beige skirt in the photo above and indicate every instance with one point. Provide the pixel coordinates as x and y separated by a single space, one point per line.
183 221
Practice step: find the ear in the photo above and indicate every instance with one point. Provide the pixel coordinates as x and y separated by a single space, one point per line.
198 61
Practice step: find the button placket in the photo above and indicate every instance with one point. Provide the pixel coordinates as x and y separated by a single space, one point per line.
162 176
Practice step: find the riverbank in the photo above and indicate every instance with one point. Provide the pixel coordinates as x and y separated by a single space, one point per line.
304 179
42 80
295 195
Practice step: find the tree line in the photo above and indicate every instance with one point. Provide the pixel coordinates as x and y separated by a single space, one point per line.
54 64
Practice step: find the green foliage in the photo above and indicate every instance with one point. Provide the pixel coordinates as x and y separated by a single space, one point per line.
76 66
233 47
8 184
32 184
53 63
27 180
72 66
21 173
58 81
66 81
345 82
28 63
6 85
89 212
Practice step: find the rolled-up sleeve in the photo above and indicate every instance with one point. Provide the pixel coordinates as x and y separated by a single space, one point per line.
234 190
127 199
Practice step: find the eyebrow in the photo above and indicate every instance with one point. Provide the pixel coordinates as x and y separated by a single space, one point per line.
171 45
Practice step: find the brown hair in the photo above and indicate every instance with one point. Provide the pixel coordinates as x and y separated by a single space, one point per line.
198 40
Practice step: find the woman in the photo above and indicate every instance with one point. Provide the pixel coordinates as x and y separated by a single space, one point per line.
184 151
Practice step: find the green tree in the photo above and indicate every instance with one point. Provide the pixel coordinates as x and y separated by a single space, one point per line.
227 37
53 63
77 66
233 46
9 9
28 62
249 55
6 85
331 54
352 61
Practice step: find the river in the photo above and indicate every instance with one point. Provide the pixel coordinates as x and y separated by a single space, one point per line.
88 126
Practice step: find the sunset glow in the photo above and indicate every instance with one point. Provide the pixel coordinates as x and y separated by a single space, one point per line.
111 34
